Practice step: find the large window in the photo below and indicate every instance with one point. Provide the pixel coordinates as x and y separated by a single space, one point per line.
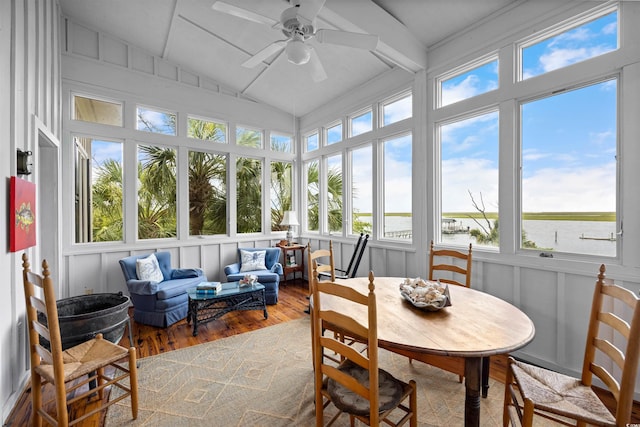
249 137
97 111
474 79
569 151
333 180
313 195
281 192
312 142
398 164
283 143
361 122
334 133
469 180
207 130
397 109
560 48
249 195
207 193
156 121
156 192
362 190
98 190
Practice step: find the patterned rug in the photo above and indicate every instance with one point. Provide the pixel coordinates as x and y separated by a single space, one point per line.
265 378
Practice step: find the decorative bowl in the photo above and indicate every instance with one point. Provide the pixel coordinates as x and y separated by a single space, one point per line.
425 294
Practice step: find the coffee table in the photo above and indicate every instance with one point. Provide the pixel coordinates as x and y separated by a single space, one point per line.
205 307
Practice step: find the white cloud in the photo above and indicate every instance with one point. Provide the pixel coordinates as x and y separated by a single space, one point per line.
461 175
570 190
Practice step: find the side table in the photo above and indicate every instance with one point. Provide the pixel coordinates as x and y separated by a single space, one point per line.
291 263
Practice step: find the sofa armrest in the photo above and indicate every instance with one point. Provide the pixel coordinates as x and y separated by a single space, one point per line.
142 287
232 269
277 268
184 273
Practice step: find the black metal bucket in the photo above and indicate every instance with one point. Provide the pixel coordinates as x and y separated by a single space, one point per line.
82 317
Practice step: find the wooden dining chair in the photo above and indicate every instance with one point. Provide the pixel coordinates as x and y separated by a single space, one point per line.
611 354
78 373
458 267
453 268
325 268
356 386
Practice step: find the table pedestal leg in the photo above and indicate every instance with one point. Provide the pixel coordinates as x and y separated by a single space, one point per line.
472 374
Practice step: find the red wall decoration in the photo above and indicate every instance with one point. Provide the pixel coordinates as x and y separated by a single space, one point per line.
22 214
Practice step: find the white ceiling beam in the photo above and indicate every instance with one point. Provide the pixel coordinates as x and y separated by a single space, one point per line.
396 43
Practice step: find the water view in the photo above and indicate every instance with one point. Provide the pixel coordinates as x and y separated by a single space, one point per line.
583 237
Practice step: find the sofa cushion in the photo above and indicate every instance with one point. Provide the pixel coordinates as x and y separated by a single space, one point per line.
149 269
252 260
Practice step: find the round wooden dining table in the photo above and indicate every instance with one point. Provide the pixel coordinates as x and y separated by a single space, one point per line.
474 326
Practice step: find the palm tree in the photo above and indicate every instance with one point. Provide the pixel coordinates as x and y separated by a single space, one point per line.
106 202
334 197
157 193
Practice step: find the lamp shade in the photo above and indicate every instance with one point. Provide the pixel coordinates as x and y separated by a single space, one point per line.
297 52
289 218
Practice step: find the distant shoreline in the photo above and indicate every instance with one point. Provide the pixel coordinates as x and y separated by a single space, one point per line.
530 216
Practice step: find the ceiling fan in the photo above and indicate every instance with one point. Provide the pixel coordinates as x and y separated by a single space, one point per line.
297 23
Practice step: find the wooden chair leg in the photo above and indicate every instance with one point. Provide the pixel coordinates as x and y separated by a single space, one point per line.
486 363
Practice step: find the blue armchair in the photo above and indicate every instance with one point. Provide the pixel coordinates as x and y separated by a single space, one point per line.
268 273
161 300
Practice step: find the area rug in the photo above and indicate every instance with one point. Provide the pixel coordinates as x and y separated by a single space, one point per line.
265 378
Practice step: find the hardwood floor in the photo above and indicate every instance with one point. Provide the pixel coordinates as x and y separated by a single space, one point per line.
151 341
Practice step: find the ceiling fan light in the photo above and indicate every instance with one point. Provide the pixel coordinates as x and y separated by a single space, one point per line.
297 52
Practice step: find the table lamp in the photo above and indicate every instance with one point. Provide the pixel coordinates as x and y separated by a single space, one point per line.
289 219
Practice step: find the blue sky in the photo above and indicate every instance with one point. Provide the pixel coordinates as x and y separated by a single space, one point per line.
568 139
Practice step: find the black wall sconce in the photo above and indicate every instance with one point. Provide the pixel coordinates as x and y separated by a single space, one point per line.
24 162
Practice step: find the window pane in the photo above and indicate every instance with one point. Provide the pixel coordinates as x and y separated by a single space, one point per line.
282 143
249 137
334 134
469 150
397 188
156 192
98 190
578 44
468 84
312 195
281 191
312 142
156 121
569 171
362 197
207 193
361 124
249 194
397 110
207 130
333 182
97 111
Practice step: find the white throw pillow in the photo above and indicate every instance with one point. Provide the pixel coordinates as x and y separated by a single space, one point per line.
252 260
149 269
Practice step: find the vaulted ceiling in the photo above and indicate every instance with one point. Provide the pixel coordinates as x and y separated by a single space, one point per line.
203 39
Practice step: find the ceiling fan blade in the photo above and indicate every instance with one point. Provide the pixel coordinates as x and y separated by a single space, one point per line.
264 54
230 9
309 9
317 70
345 38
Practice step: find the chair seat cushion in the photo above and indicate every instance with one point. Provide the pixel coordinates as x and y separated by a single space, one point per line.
390 391
559 393
264 276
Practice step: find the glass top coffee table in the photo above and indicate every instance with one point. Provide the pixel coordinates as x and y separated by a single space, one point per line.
207 306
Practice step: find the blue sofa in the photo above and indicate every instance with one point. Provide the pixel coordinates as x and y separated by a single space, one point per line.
269 276
160 303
